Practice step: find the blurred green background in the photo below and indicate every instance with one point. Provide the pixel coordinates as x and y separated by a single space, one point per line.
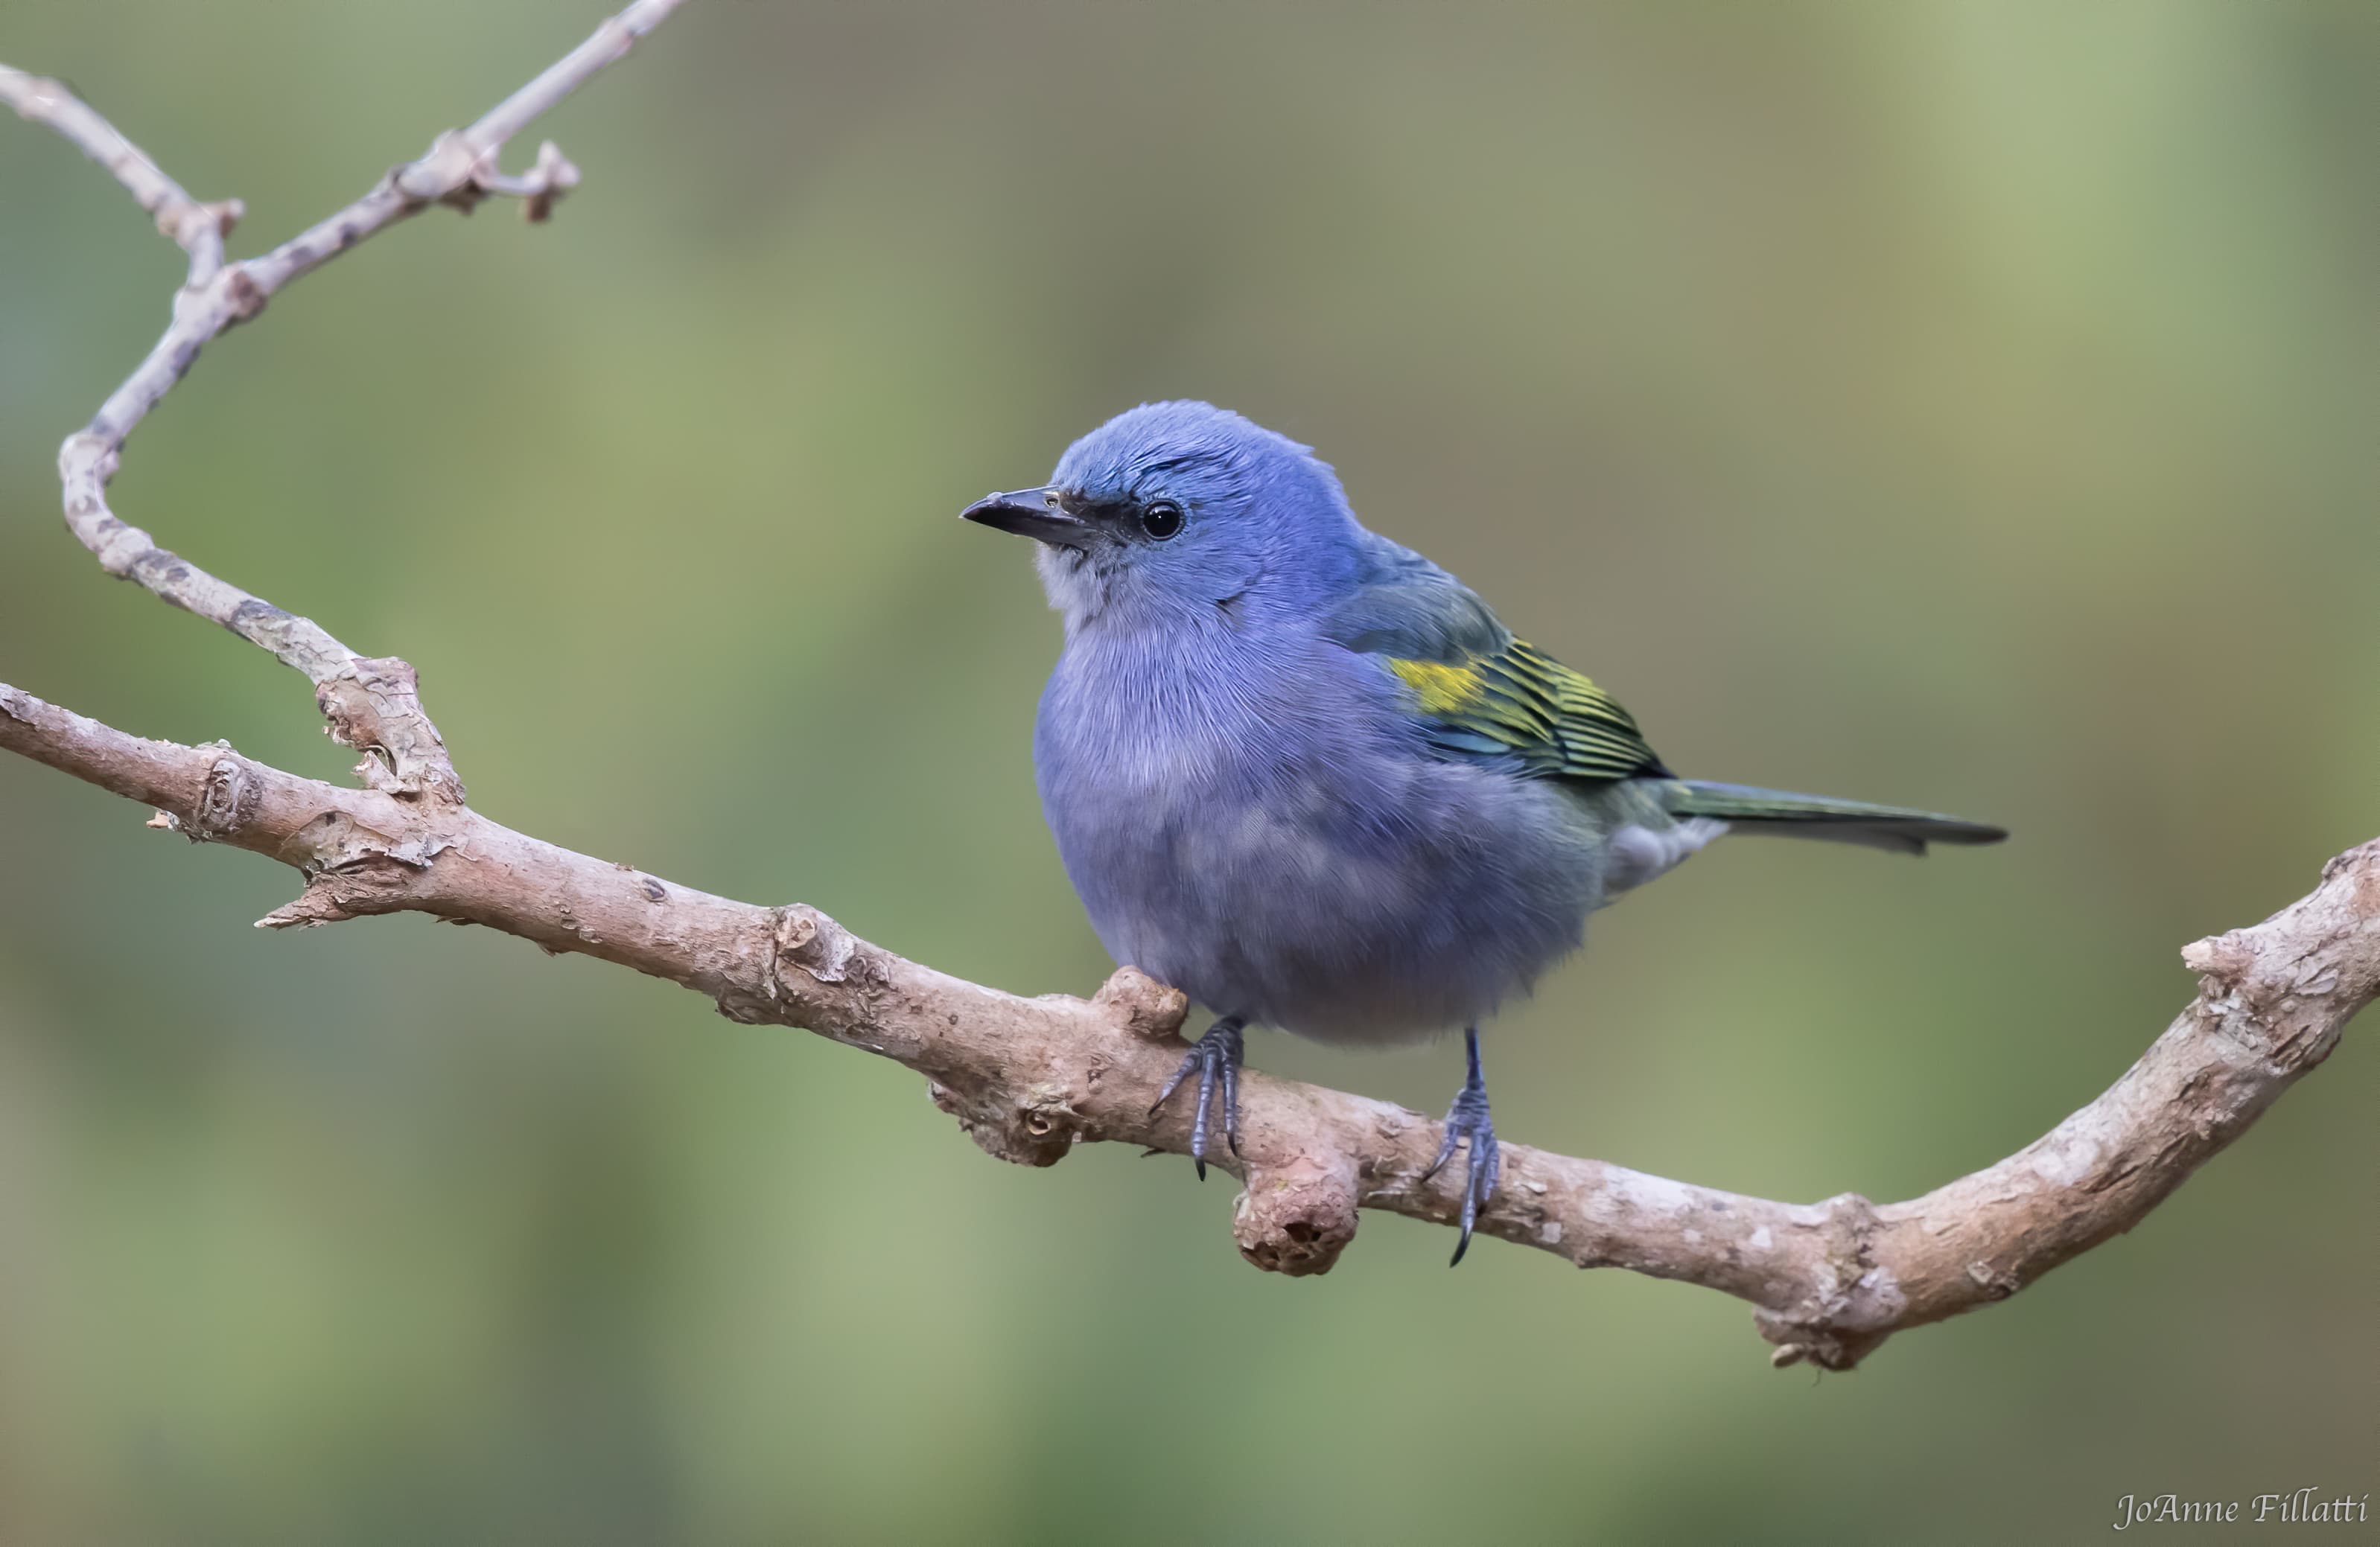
1961 404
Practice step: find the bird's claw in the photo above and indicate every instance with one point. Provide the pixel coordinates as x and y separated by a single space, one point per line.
1215 1058
1467 1123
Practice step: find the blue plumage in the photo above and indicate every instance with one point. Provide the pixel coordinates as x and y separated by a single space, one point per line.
1306 775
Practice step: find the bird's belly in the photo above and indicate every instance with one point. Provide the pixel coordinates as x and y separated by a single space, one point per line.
1384 902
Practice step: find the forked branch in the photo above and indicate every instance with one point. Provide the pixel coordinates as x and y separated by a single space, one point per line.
371 702
1029 1078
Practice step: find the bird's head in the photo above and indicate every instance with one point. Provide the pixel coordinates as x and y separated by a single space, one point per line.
1172 510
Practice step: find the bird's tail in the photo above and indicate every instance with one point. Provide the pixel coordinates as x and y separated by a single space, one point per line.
1785 815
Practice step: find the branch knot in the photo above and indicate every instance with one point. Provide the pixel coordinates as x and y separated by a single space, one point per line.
373 704
1141 1005
1297 1216
225 802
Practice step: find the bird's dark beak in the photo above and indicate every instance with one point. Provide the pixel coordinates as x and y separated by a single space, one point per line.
1031 512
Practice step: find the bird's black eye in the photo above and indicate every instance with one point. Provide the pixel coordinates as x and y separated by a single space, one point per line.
1161 519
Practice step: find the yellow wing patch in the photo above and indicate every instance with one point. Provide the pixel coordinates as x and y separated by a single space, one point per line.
1440 689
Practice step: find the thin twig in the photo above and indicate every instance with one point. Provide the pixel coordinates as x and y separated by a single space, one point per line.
198 229
373 702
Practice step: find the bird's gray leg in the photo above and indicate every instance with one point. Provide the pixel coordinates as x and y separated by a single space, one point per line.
1467 1119
1216 1059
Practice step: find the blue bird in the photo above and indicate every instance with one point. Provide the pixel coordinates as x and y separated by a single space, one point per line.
1304 775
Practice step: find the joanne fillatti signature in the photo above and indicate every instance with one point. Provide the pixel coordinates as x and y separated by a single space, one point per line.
2306 1506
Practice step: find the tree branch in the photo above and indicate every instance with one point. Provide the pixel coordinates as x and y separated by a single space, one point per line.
1031 1078
1028 1079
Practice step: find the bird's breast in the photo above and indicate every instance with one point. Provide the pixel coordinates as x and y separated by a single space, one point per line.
1262 830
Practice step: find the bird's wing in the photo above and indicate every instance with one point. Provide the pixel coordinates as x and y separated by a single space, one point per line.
1479 693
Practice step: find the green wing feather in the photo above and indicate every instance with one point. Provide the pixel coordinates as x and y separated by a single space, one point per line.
1478 692
1520 703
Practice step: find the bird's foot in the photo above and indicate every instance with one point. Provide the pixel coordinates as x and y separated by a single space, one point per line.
1467 1123
1215 1058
